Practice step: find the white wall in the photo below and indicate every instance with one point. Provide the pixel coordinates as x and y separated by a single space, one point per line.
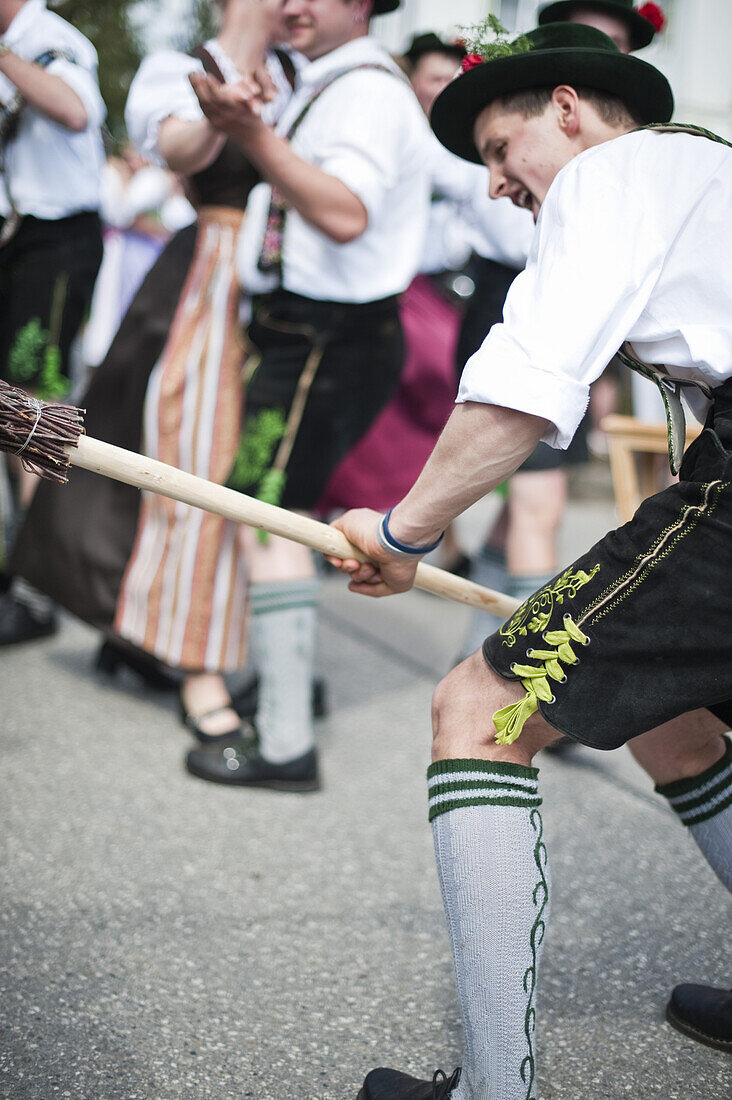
693 50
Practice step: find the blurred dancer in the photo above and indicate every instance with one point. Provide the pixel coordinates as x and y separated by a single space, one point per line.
329 243
51 158
168 582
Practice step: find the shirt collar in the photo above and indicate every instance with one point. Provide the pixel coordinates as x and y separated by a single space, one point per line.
361 51
23 20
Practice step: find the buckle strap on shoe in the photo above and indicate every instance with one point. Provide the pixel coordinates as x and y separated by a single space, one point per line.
442 1085
510 721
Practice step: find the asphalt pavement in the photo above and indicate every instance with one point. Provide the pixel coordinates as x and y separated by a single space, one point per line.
162 938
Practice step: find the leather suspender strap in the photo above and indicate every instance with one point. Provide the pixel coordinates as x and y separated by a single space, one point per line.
671 388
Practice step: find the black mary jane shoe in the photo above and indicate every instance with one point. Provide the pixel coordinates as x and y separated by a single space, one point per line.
240 764
19 623
703 1013
390 1084
113 656
243 730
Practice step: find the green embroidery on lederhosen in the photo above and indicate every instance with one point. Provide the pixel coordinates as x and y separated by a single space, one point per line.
534 615
35 355
532 618
540 899
662 546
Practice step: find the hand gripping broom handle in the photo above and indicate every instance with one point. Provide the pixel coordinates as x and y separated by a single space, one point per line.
157 477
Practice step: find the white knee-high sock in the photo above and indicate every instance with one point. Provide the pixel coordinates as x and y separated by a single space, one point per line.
704 804
284 621
492 864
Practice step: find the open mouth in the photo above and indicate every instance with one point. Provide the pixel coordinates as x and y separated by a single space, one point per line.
526 201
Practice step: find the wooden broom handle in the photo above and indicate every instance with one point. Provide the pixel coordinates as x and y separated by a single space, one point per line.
158 477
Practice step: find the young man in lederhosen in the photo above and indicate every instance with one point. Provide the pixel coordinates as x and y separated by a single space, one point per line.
330 241
51 158
630 644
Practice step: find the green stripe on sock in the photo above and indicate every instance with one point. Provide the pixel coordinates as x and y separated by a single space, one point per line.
480 785
492 767
687 786
706 815
461 803
683 806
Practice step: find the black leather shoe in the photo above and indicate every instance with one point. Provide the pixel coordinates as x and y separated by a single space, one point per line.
390 1084
19 624
703 1013
246 699
113 655
240 764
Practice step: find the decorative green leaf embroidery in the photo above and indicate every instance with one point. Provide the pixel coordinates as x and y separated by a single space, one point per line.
271 488
534 616
540 899
488 39
53 386
34 359
259 439
26 355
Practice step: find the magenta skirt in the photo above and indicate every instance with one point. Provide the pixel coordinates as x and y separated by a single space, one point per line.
386 462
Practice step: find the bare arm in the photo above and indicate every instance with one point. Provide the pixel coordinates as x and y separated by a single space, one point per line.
480 447
322 200
187 146
45 92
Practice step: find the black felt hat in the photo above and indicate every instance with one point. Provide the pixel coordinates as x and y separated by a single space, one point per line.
381 7
559 53
429 42
641 29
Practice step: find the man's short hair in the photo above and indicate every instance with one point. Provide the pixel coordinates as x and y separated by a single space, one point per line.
532 102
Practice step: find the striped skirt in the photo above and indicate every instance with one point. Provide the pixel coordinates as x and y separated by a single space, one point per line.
183 594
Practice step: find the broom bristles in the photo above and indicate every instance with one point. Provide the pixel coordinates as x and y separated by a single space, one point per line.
38 432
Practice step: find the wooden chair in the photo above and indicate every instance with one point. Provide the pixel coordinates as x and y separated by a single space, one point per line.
633 446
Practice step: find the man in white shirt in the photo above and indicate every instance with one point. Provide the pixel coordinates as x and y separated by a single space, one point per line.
51 159
629 644
328 243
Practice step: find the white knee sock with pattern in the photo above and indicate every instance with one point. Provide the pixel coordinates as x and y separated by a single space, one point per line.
284 621
492 864
704 804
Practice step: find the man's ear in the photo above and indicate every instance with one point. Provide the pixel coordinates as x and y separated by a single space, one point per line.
566 104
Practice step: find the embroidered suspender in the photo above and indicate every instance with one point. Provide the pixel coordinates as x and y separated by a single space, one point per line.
671 388
270 259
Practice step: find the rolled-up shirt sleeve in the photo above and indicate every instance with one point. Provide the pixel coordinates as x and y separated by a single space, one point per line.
596 256
82 79
366 139
160 90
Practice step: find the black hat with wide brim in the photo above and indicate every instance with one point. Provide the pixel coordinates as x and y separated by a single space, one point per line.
429 42
381 7
561 53
641 29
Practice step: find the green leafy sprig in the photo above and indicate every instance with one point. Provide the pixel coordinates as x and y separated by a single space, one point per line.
489 39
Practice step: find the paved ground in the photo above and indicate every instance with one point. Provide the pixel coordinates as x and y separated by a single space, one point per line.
165 939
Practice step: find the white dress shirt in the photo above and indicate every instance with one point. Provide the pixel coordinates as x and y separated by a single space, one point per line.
161 89
369 131
53 172
633 243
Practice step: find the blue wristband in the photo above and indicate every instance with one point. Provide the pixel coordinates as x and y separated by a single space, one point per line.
388 541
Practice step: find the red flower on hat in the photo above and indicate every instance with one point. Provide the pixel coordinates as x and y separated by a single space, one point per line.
654 15
470 61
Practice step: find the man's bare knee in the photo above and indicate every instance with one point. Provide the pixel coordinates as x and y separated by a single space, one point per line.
463 706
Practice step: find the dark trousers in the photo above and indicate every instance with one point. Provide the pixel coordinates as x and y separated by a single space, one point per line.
355 354
47 275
